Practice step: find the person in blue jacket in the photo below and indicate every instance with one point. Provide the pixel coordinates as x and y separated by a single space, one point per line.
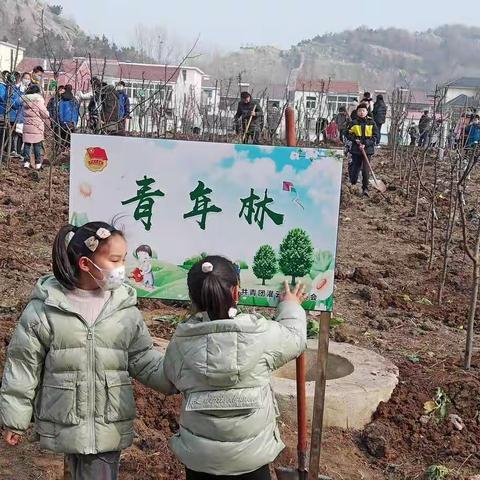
123 107
68 114
472 132
9 101
16 117
53 109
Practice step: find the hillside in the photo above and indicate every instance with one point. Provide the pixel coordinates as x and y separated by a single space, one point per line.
45 32
376 58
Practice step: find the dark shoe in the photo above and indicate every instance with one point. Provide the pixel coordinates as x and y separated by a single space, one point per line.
365 192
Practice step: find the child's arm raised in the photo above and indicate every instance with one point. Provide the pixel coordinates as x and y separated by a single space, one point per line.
289 337
23 370
144 362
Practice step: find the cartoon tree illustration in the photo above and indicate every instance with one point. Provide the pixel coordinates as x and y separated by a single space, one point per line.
265 263
296 254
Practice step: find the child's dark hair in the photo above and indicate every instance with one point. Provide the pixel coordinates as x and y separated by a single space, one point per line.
245 95
211 291
33 89
144 248
66 253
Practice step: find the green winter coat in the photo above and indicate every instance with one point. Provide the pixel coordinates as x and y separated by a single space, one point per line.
222 368
74 377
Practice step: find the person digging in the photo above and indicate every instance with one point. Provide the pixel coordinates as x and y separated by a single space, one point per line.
249 119
362 133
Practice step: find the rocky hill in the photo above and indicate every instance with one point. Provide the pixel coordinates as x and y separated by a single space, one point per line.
45 32
376 58
22 20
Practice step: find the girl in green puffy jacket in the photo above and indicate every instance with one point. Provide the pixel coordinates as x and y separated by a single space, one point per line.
77 345
221 362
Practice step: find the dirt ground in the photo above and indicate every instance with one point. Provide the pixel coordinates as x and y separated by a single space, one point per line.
383 293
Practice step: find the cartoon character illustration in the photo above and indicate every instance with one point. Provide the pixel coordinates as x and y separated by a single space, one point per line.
144 273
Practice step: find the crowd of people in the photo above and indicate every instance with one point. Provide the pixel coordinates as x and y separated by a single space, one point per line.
24 115
464 134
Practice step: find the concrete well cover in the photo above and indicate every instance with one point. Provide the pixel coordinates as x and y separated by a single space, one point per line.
357 381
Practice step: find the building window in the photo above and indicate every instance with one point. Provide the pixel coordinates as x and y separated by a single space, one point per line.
311 103
140 91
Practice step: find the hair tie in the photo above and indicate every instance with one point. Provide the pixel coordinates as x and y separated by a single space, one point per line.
207 267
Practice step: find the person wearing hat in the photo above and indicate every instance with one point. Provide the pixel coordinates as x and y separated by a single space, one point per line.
363 133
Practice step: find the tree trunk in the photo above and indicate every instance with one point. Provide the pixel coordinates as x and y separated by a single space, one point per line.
294 280
452 215
263 281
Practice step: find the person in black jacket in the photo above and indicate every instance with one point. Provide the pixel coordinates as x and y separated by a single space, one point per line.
342 119
362 133
248 108
379 115
424 126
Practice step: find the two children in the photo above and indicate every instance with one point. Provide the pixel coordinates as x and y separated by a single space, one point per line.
81 339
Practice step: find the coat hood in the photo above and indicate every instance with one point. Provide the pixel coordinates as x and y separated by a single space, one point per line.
221 350
68 96
49 290
33 97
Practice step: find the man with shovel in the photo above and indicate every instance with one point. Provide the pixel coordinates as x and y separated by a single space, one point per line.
363 133
249 119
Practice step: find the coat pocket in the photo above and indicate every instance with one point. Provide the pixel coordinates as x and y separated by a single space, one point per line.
58 399
120 403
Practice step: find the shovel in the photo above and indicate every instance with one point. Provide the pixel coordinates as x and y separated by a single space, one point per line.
301 473
248 124
376 183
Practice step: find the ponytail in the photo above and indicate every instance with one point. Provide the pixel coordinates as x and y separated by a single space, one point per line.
216 297
71 244
64 270
211 288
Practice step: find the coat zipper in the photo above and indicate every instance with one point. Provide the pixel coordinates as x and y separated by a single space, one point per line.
91 387
91 370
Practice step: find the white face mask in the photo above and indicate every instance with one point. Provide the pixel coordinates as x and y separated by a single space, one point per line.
26 82
112 279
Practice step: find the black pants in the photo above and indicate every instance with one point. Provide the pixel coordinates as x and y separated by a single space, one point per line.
424 139
354 168
379 136
263 473
66 129
101 466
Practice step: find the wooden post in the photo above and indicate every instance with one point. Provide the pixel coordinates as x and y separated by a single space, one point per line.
319 399
290 127
302 425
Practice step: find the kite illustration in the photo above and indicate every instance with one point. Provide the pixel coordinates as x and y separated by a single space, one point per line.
289 187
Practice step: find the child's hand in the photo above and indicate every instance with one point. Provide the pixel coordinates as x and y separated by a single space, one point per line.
12 438
296 295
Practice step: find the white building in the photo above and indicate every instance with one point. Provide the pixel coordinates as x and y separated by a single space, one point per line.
467 86
321 99
10 56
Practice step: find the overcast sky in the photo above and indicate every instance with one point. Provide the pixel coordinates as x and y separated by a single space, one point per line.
282 23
